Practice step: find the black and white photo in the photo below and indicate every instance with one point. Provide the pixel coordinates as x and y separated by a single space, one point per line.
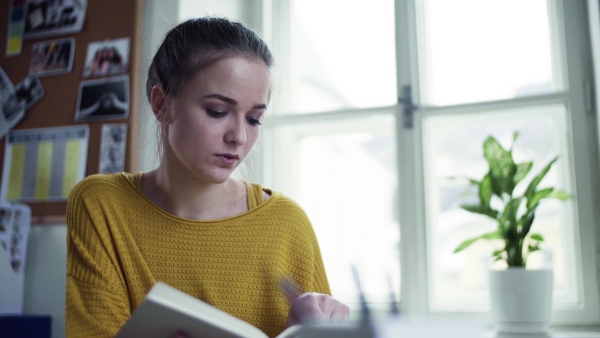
103 99
112 148
45 18
29 91
12 109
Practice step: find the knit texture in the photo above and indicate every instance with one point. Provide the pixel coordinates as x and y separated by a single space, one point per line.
120 244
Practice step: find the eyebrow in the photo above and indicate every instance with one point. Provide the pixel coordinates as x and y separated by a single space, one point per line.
232 101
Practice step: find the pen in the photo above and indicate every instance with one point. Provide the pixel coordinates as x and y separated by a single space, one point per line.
365 313
393 303
290 288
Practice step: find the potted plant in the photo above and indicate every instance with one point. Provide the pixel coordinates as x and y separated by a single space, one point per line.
521 299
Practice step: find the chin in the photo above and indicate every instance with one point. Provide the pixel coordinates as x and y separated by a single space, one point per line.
218 176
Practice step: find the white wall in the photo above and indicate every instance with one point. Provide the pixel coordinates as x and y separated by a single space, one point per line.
45 274
159 18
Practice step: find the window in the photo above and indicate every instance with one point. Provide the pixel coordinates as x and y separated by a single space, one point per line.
375 179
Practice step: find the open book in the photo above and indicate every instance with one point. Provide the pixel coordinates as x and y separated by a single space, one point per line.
166 310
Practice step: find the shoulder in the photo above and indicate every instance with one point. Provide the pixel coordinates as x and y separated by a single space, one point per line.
283 208
283 201
101 198
101 186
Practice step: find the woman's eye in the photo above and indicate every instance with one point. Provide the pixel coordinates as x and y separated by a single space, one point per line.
253 121
215 113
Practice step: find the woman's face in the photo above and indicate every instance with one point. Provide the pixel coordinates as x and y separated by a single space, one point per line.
216 121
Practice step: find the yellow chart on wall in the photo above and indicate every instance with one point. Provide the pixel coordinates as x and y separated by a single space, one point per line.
44 164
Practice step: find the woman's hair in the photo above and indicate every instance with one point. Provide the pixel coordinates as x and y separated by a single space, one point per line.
194 44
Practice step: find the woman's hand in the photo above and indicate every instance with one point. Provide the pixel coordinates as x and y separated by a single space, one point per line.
312 306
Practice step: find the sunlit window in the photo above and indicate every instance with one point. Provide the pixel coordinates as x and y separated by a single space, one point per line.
475 50
342 55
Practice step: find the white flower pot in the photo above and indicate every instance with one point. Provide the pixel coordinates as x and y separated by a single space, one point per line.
521 299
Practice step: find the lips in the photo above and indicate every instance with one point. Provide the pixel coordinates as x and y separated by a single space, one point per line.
228 159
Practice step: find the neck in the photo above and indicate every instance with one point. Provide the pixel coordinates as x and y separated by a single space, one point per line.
189 197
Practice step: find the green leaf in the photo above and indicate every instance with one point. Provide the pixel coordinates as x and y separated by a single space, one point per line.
485 190
497 254
537 237
522 171
502 166
468 242
545 194
527 221
560 195
536 180
533 248
515 136
509 215
538 196
473 181
481 209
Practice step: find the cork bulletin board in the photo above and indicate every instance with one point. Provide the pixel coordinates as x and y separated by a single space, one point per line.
105 20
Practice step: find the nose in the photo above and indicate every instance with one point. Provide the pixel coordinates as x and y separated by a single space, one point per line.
236 132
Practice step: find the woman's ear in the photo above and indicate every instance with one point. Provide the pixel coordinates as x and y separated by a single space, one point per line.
158 99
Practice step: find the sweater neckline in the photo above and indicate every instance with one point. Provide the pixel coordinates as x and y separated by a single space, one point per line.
135 182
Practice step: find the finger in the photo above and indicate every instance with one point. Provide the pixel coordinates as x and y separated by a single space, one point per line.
334 311
328 306
340 314
305 309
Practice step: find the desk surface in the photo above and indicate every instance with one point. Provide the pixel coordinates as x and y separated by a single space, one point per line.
562 334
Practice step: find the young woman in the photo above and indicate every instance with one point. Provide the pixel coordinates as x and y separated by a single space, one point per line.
189 223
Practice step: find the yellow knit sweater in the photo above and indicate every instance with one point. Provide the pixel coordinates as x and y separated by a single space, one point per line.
120 244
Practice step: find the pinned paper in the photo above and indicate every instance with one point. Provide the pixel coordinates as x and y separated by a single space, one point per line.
15 223
44 164
16 23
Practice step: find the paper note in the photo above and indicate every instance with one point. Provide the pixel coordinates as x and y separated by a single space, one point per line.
16 22
44 164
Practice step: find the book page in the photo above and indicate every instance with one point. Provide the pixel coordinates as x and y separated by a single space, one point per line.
166 311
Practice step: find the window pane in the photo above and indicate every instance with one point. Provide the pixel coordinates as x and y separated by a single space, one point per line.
476 51
342 54
453 148
344 176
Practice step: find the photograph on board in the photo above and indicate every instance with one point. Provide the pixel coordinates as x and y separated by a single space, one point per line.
52 57
103 99
29 91
21 224
6 85
12 109
45 18
108 57
112 148
5 224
